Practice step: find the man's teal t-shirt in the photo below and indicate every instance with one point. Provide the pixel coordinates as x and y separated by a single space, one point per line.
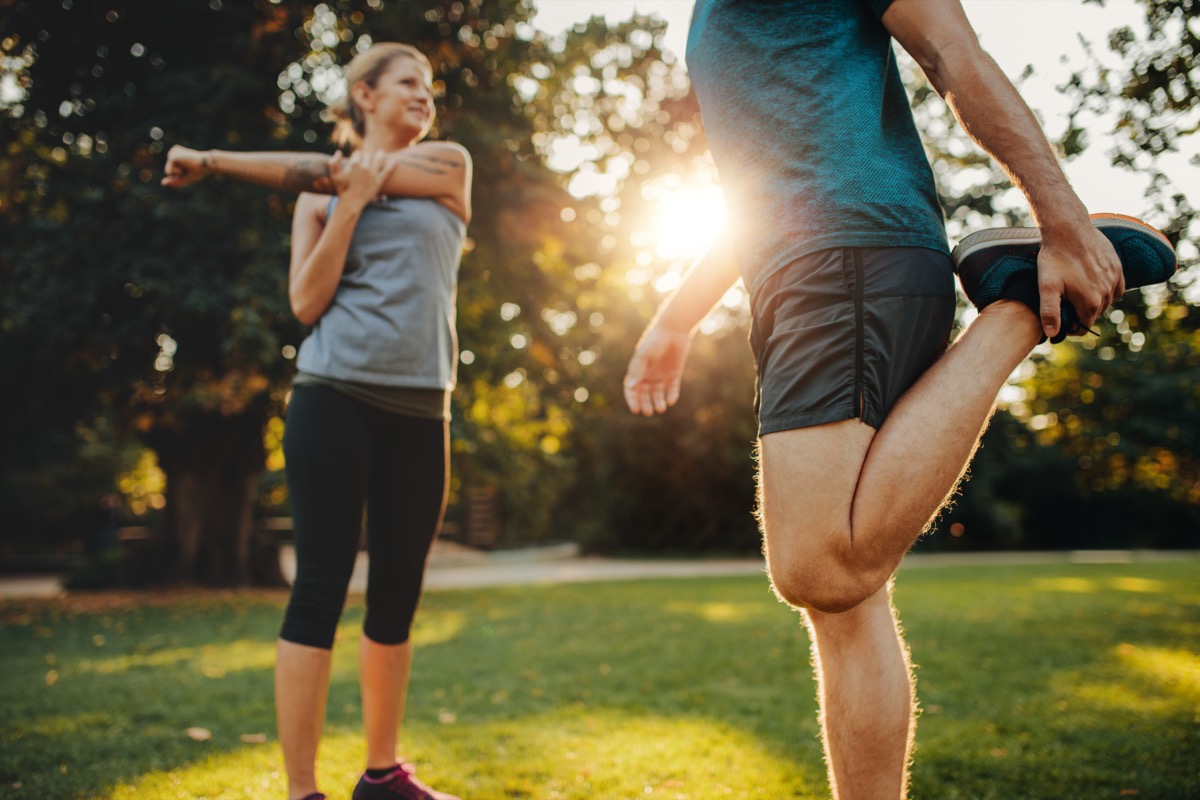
811 130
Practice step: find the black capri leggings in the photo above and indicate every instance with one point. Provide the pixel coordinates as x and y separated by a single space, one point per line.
343 454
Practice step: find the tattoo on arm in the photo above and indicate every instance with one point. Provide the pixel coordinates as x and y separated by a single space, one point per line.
309 175
283 172
453 163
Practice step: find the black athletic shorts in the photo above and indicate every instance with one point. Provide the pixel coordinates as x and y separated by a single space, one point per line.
842 333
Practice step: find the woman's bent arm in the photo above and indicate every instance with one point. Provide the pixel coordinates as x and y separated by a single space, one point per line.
320 243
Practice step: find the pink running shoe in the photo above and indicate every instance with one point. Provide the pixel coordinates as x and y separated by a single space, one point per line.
399 784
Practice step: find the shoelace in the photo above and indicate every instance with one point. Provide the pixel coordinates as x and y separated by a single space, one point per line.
1070 325
404 782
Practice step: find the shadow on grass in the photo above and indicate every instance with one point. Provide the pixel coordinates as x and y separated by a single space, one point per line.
1036 683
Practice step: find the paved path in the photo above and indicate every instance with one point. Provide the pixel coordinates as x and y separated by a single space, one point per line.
581 569
575 569
455 567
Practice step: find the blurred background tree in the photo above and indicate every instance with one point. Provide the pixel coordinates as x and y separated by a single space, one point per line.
134 317
165 313
1095 445
162 316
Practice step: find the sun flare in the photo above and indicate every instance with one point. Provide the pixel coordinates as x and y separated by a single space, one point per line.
688 219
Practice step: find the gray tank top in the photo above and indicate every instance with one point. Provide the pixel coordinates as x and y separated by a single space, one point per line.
391 321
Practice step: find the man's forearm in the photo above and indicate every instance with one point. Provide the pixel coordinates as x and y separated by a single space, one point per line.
285 172
994 115
939 36
705 284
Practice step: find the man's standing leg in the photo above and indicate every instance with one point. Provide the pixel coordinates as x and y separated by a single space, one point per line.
865 688
842 503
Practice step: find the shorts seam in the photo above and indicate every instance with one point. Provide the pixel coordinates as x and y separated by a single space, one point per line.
859 333
845 343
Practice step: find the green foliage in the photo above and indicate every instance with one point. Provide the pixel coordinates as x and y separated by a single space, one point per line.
60 485
550 333
1100 450
683 482
1153 92
133 311
164 313
1125 404
1027 492
695 687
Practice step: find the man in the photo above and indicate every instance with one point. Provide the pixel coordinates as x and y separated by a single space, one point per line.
866 420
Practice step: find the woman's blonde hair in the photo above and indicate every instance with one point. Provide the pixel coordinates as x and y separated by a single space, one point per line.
366 67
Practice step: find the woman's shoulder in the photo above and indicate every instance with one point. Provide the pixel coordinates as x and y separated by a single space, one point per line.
447 149
442 144
449 165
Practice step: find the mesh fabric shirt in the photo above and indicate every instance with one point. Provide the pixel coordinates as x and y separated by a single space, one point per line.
811 130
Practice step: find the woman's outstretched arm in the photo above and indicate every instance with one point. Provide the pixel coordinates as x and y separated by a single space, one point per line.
284 171
439 171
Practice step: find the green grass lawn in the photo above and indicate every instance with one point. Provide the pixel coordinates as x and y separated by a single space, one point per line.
1036 682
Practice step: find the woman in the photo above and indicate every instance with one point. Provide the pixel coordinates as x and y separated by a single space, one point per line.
374 271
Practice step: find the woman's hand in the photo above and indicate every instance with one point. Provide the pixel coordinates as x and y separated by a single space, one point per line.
359 179
184 167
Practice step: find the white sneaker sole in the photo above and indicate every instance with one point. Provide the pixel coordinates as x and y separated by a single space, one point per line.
1032 237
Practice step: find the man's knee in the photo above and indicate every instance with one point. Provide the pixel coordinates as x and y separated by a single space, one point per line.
817 587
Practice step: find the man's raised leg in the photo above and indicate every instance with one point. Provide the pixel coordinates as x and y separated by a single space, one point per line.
841 503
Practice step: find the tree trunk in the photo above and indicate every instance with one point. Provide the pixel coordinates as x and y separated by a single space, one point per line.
212 466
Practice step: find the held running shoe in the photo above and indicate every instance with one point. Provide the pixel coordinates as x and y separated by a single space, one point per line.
399 784
997 263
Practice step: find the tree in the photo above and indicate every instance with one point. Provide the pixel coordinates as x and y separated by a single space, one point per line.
168 310
1153 93
1123 406
1096 448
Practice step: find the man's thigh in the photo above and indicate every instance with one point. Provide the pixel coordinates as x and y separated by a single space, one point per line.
807 483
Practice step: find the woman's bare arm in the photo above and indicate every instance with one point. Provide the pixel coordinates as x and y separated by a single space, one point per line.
283 171
320 243
439 171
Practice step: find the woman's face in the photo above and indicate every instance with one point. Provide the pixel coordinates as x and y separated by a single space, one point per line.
402 98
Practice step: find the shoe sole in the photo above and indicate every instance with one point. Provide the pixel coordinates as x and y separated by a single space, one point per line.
1025 240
